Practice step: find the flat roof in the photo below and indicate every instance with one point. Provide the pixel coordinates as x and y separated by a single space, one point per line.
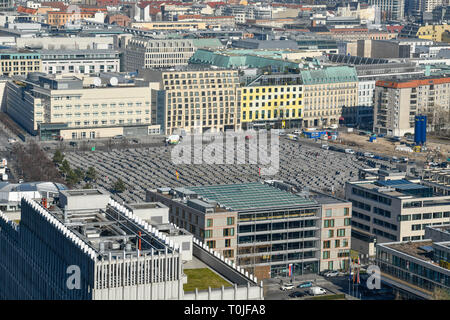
240 197
415 249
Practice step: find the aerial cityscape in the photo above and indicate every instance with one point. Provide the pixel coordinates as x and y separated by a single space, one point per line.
225 150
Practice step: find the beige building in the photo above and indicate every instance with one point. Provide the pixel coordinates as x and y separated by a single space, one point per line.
156 53
326 92
335 232
72 107
195 100
397 103
19 62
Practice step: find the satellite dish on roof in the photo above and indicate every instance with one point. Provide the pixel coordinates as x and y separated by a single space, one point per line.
113 81
97 82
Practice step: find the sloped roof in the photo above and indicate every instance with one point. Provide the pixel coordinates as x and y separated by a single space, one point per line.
329 75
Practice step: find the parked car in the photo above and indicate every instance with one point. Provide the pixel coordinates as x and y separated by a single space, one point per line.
297 132
369 155
306 284
287 286
315 291
325 147
349 151
119 136
296 294
72 143
332 273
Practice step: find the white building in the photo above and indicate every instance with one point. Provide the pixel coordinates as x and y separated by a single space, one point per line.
79 61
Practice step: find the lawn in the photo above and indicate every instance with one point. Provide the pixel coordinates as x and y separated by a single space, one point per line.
202 279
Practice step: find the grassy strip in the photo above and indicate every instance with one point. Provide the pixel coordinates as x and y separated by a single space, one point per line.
202 279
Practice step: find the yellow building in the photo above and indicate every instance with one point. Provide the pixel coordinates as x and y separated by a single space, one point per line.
273 106
19 62
433 32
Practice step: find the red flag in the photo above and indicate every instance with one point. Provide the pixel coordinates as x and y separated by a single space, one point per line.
259 170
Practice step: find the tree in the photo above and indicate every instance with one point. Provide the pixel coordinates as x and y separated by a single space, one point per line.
79 173
119 186
65 167
58 157
91 174
72 178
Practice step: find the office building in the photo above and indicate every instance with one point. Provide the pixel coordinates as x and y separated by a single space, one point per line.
392 208
82 245
68 107
19 62
195 99
417 268
390 10
272 225
155 53
397 102
79 61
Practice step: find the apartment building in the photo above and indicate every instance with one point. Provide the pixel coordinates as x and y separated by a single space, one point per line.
397 102
59 19
393 208
417 267
157 53
273 101
69 107
206 220
79 61
19 62
195 99
326 91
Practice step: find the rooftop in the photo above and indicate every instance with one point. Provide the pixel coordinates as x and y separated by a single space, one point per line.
417 249
245 196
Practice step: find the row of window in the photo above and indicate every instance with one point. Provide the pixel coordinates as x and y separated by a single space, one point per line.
423 216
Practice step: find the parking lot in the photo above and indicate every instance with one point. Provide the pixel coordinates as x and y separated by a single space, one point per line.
273 291
341 284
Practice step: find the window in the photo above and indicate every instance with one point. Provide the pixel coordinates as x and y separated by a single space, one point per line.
337 243
346 211
228 232
341 233
330 265
329 223
326 254
211 244
330 233
326 244
228 253
347 221
230 221
209 222
328 212
227 243
208 234
344 243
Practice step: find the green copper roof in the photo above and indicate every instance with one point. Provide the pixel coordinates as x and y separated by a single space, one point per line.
230 59
329 75
207 43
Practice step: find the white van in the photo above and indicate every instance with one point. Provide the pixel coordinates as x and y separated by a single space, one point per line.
315 291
